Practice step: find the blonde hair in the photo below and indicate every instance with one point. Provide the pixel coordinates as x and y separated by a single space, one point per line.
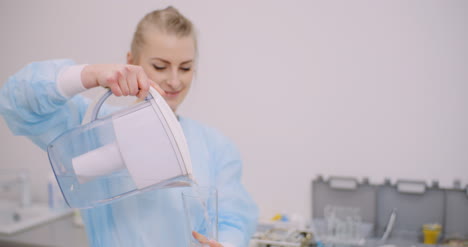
169 21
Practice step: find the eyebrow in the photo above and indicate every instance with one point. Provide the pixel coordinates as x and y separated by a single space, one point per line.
158 58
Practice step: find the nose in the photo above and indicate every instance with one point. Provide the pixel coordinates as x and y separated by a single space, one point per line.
174 80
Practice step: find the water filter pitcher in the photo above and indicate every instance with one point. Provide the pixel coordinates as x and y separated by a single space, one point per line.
138 148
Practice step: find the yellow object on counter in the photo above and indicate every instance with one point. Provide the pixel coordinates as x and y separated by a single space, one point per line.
277 217
431 233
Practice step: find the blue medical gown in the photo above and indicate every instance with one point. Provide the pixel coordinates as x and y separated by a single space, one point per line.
32 106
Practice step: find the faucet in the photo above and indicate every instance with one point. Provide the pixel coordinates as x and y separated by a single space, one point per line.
22 180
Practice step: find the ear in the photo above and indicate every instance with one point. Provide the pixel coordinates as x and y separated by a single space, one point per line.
130 58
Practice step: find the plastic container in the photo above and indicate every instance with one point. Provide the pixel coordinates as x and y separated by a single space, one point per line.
138 148
431 233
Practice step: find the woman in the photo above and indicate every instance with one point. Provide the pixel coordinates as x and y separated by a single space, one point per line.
41 101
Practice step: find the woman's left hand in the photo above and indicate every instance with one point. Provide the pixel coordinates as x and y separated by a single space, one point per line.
205 241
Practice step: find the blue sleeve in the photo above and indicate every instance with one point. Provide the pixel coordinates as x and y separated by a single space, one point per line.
32 106
238 213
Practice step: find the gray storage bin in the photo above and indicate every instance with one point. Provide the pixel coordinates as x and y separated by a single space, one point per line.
345 192
416 204
456 211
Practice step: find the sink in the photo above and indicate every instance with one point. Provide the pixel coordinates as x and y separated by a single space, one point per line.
14 219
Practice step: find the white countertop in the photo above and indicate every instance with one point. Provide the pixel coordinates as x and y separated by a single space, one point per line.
59 233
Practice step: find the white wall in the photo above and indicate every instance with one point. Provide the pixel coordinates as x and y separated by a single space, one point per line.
356 88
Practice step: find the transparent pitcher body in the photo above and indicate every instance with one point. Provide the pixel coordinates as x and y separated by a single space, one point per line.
128 152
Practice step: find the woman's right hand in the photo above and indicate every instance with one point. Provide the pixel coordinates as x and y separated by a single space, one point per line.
122 79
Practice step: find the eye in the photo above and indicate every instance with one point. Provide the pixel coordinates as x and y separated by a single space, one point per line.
158 67
185 69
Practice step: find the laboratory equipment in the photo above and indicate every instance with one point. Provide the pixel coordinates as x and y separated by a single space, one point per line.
17 211
390 224
19 179
138 148
281 234
398 210
343 225
344 191
344 210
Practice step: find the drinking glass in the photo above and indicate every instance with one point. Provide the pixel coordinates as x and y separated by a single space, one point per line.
201 211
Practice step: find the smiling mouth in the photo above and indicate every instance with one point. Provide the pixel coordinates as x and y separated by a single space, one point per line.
172 94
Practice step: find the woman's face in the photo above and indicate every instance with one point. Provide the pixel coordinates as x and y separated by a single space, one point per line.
168 60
